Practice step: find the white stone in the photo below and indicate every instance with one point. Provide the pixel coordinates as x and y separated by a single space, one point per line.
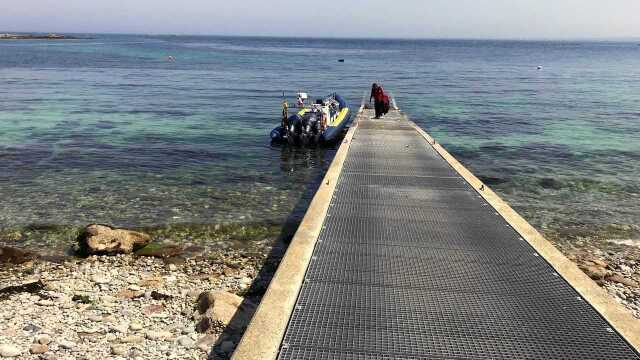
43 339
185 341
118 349
158 335
67 345
121 328
100 279
133 339
8 351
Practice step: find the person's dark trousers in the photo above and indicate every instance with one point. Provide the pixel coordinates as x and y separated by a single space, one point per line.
379 105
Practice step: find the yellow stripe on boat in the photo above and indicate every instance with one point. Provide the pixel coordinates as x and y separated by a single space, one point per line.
340 118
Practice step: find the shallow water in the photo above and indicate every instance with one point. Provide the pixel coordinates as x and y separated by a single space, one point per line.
107 130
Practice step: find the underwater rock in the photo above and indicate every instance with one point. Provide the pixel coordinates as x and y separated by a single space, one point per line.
161 250
217 308
14 256
549 183
491 180
104 239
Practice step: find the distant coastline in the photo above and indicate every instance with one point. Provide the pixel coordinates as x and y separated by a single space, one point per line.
35 37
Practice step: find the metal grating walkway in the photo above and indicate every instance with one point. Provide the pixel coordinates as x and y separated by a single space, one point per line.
412 263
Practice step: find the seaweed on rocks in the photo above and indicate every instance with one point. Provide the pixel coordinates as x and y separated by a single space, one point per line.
33 288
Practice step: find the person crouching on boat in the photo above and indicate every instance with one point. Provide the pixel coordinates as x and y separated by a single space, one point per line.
377 94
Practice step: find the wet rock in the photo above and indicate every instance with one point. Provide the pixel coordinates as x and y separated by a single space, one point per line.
160 250
39 349
593 271
173 261
82 299
160 296
9 255
617 278
104 239
220 308
32 288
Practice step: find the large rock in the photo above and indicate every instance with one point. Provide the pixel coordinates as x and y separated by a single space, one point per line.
593 271
617 278
11 255
220 308
104 239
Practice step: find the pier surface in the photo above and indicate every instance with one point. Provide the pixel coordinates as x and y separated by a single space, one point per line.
405 257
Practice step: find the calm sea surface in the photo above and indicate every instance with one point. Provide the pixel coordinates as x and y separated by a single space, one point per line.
108 130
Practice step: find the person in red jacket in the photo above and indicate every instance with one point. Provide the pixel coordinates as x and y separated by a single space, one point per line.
377 93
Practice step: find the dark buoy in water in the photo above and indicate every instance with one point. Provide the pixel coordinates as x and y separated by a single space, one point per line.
340 60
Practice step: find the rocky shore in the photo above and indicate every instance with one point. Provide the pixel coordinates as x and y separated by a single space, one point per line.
162 302
129 295
617 270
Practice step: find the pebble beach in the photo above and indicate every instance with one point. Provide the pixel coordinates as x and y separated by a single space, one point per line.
132 307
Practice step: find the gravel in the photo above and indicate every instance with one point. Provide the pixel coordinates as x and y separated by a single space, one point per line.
127 306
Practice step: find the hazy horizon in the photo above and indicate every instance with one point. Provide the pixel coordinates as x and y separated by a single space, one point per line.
559 39
373 19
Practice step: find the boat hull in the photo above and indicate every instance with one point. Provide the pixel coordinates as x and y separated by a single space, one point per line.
304 127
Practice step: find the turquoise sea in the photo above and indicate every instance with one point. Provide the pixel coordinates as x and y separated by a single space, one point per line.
105 129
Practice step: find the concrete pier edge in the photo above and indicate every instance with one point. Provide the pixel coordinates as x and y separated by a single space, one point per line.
262 339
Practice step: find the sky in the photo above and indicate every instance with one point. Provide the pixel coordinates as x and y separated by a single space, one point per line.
511 19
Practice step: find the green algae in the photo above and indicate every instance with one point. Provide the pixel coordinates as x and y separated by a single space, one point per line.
64 238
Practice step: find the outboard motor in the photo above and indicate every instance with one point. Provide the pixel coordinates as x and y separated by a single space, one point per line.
295 129
309 125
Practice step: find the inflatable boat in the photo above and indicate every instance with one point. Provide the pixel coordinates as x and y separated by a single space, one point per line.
322 121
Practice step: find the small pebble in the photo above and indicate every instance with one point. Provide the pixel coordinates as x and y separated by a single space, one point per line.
118 349
43 339
185 341
39 349
69 345
133 339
